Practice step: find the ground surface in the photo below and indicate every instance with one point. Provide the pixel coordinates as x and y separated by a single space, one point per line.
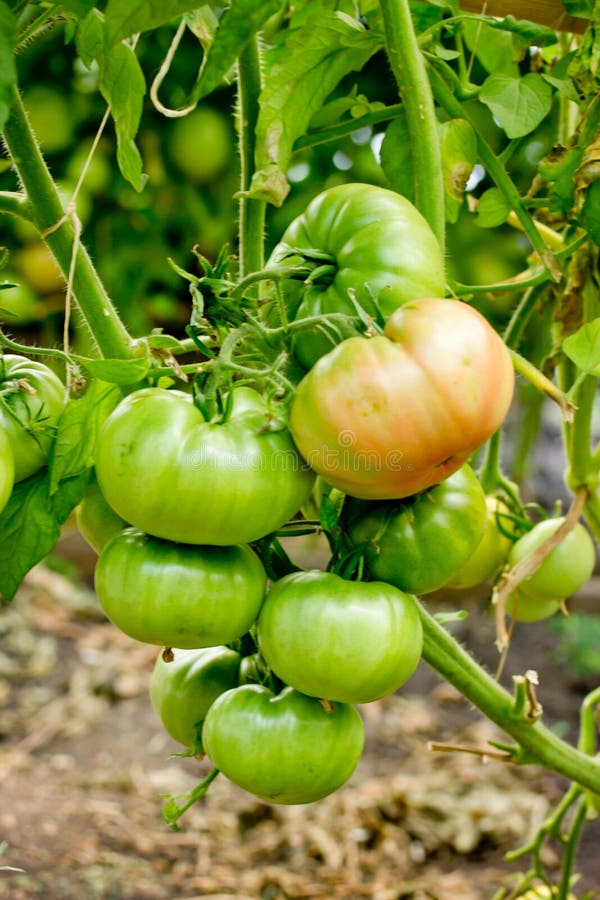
83 764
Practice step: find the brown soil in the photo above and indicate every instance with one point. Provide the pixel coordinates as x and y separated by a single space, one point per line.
84 762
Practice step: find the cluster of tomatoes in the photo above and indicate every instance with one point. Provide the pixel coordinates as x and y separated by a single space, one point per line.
263 674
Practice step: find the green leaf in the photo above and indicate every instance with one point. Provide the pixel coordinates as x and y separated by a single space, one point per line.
446 618
163 342
492 209
564 86
396 158
540 35
582 8
30 525
318 55
123 87
329 513
126 17
497 51
8 71
583 347
119 371
238 24
458 143
79 7
74 448
519 104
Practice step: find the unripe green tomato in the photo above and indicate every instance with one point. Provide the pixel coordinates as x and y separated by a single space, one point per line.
38 267
526 607
183 690
490 554
179 595
346 641
7 470
99 172
50 116
201 144
17 304
566 569
96 521
284 748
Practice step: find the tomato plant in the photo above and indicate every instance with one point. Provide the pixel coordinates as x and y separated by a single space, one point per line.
183 689
349 296
380 251
32 399
178 595
389 416
418 545
352 642
171 473
286 747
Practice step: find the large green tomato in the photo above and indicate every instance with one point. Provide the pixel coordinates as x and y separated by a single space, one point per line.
183 690
526 607
33 400
7 470
382 249
566 569
349 641
179 595
387 417
492 551
284 748
419 544
170 473
97 522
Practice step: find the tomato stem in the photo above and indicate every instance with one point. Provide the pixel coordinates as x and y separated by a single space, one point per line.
252 211
408 66
98 310
539 744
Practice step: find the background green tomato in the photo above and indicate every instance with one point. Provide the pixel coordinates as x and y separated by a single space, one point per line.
419 544
201 144
173 475
340 640
97 522
383 249
526 607
7 470
34 398
179 595
491 552
565 569
183 690
283 748
18 304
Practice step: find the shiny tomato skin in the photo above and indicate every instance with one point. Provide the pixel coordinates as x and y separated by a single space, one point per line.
526 607
97 522
284 748
492 551
420 544
183 690
566 569
179 595
170 473
384 252
390 416
36 398
345 641
7 470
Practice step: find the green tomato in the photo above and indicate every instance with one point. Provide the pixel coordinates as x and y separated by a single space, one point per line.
383 251
346 641
420 543
284 748
97 522
34 398
170 473
492 551
566 569
201 144
51 118
178 595
18 304
525 607
7 470
183 690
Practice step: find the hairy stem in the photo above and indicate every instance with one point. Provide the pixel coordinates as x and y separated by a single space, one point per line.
252 212
408 66
47 212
